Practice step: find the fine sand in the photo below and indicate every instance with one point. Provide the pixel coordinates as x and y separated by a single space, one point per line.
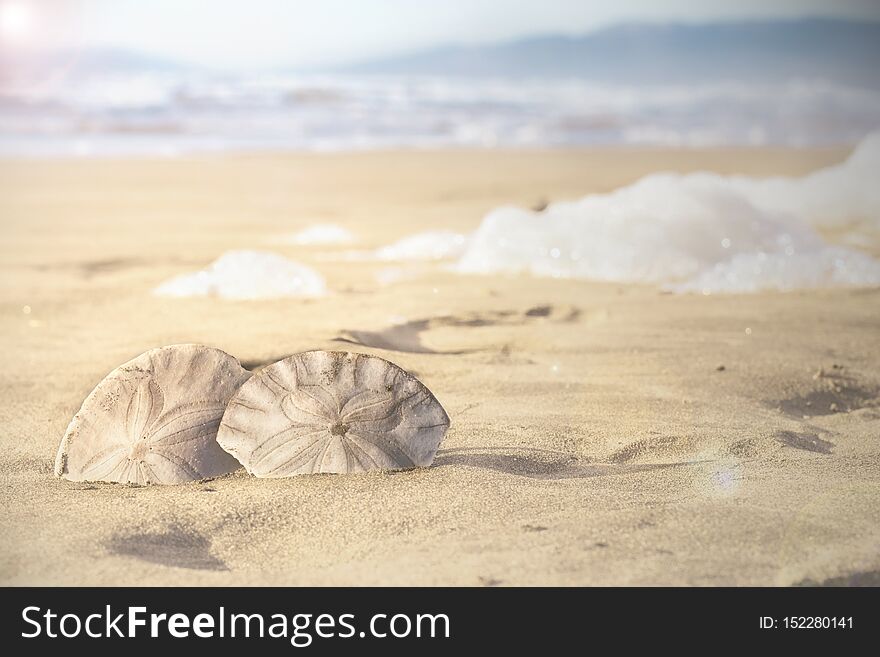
601 433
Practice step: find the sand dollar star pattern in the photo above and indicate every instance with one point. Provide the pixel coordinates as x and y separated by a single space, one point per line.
154 420
332 412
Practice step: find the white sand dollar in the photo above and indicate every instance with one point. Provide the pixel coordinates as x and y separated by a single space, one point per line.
332 411
154 420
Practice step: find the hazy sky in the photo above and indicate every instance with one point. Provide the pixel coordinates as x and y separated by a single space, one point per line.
308 33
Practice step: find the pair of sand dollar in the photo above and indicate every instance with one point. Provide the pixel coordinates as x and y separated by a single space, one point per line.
188 412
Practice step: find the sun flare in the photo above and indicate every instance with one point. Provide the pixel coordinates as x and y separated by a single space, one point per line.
16 20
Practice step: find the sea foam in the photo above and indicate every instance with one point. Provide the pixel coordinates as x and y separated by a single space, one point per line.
430 245
247 275
696 232
834 196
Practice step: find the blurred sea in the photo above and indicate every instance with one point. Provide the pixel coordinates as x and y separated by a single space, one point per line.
167 113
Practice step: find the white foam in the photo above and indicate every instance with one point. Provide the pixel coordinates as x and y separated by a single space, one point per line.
247 275
836 195
825 267
430 245
700 232
322 234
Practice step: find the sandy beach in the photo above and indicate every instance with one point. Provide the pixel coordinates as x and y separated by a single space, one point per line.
602 434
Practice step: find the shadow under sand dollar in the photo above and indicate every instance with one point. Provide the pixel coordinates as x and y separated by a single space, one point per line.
537 463
256 364
407 337
176 547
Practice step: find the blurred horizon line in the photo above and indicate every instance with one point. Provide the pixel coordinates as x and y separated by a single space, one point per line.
362 64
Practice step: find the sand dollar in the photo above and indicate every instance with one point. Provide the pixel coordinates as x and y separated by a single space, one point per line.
154 420
332 411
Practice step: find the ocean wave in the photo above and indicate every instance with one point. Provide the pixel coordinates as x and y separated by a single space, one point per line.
320 113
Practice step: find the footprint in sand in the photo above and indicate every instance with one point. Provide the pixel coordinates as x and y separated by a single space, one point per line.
806 441
407 337
651 449
833 392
